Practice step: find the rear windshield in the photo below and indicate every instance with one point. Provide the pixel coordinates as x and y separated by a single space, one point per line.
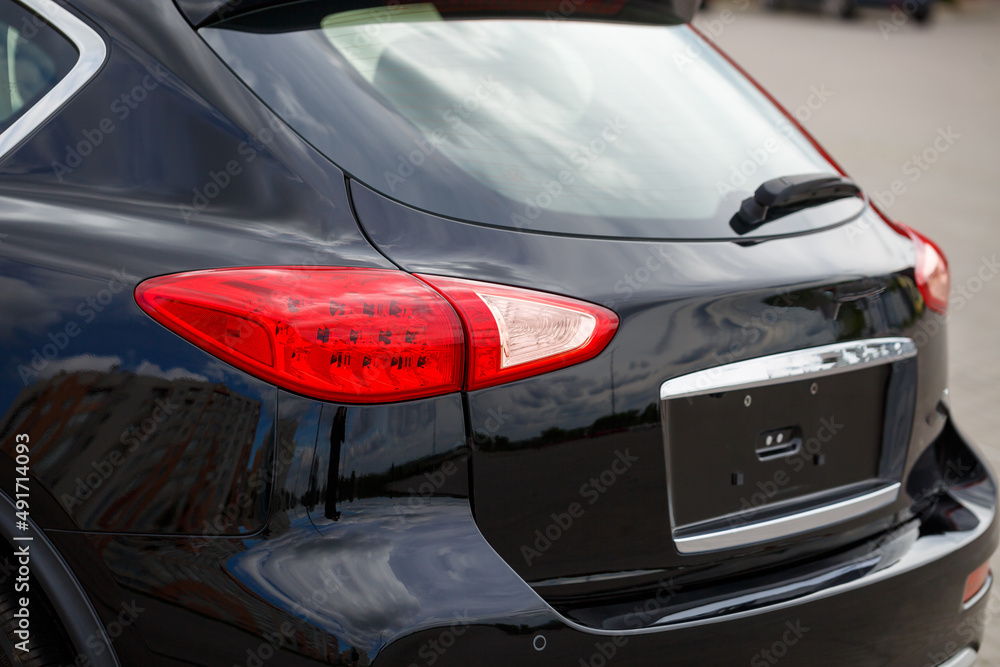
573 127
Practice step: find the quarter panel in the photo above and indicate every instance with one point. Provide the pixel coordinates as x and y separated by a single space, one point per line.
131 428
162 163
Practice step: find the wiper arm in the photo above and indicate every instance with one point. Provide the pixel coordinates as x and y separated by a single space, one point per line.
779 197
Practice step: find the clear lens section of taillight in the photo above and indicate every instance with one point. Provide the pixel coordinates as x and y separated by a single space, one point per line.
932 273
531 331
516 333
347 335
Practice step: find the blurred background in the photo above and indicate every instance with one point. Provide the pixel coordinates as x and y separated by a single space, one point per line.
905 98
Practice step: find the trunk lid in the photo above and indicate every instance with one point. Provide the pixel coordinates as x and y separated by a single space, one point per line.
588 480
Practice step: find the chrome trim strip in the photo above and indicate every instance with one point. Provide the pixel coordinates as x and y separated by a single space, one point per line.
698 613
818 517
929 549
964 658
789 366
92 55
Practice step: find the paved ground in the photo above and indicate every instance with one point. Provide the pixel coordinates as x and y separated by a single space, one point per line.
893 87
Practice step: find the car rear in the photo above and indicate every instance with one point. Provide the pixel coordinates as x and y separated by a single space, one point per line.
467 362
765 438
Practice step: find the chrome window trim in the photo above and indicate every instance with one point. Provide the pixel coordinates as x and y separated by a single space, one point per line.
93 53
790 366
784 526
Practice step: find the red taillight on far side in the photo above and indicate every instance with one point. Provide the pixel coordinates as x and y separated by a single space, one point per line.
931 272
932 265
374 335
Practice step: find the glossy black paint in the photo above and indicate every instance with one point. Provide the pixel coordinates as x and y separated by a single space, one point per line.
697 305
659 12
128 384
392 535
415 583
151 450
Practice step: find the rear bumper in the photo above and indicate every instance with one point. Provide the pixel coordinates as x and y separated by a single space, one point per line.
906 611
913 617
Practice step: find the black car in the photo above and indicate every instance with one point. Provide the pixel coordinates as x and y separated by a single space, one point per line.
464 332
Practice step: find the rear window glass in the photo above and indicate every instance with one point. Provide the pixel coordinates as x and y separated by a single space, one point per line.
33 58
572 127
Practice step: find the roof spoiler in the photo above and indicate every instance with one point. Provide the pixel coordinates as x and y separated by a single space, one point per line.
657 12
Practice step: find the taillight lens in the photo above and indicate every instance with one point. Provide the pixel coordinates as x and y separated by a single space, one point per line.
516 333
932 274
374 335
349 335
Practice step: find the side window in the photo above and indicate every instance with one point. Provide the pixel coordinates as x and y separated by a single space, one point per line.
34 57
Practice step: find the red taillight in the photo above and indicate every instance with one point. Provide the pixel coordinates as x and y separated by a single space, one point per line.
373 335
976 581
351 335
516 333
932 267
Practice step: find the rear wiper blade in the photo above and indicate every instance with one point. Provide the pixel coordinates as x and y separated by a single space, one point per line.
779 197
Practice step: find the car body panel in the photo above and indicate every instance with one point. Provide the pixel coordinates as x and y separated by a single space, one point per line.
385 533
701 305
